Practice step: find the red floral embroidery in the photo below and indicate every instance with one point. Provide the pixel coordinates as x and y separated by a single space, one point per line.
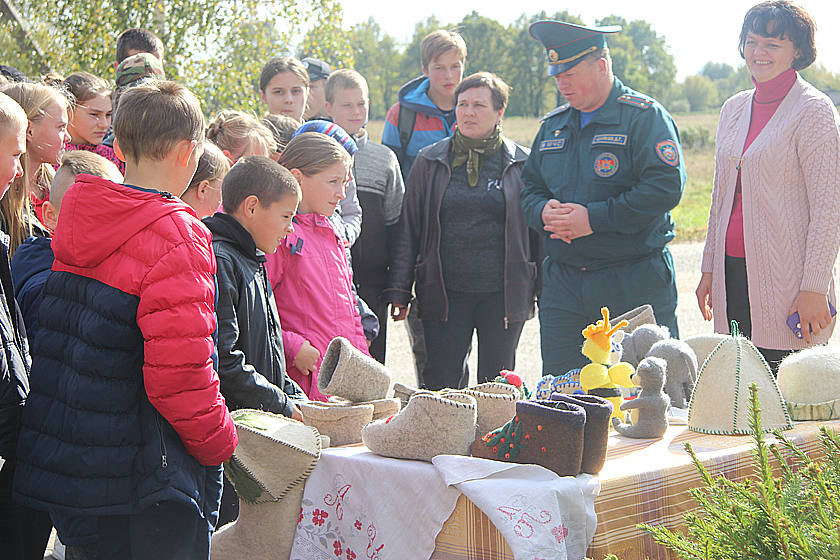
560 533
300 517
318 517
358 525
350 554
337 547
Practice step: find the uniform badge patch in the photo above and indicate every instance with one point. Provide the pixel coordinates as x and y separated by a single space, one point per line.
558 144
606 165
617 139
668 152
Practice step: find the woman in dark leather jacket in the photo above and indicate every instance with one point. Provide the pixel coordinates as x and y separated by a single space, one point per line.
462 242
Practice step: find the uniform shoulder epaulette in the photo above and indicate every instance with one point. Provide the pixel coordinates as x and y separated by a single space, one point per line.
556 111
640 101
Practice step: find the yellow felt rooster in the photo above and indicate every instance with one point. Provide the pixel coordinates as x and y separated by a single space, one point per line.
599 378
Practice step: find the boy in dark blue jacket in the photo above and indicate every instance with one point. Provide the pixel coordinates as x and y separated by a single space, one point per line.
23 530
31 265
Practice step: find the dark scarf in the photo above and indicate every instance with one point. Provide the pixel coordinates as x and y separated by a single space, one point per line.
472 152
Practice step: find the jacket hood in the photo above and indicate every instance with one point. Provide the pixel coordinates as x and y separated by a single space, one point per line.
32 257
415 96
98 216
227 228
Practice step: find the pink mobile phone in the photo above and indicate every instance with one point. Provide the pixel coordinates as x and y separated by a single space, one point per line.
793 321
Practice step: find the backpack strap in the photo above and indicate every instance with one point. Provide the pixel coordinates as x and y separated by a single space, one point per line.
405 125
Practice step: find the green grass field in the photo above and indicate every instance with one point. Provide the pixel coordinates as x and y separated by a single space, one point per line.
692 214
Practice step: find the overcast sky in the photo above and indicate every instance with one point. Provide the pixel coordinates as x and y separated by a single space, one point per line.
695 32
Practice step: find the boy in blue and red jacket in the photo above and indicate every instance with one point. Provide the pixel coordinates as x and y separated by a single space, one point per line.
425 112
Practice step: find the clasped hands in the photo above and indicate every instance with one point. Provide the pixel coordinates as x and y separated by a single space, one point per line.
565 220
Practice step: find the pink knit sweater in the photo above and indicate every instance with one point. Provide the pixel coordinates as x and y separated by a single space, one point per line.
791 203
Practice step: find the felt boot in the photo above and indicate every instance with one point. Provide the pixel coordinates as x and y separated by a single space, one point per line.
343 423
595 432
269 467
495 404
545 433
348 373
431 424
382 408
403 392
264 531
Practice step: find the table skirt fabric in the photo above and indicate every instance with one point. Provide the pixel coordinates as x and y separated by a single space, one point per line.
643 481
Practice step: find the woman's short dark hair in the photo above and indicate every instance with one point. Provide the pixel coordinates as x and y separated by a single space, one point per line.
789 21
498 89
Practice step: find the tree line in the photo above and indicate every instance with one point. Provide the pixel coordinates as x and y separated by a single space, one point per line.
217 48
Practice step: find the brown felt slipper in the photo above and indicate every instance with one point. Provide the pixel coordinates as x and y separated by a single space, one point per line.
382 408
596 431
545 433
431 424
348 373
495 404
342 423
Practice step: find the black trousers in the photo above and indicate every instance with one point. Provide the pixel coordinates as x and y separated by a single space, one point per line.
166 530
372 294
738 307
24 531
448 342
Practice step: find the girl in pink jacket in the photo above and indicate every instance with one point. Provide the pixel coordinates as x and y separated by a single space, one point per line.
309 273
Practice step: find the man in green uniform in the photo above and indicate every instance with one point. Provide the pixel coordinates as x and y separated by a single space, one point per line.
604 173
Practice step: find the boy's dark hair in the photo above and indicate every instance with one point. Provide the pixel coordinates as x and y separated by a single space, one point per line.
258 176
137 39
153 117
789 21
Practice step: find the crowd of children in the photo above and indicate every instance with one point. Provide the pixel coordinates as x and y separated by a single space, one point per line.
196 268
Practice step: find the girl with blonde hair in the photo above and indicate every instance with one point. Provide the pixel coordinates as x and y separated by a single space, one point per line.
47 111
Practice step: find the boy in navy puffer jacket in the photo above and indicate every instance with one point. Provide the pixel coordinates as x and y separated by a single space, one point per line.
24 531
125 421
31 266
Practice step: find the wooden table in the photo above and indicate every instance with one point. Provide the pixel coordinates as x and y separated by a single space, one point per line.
643 481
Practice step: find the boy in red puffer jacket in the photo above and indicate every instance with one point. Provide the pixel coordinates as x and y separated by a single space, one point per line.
125 421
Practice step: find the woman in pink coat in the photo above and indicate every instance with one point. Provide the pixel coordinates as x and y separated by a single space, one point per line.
774 225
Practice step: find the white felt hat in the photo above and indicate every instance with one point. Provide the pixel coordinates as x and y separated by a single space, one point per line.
720 401
274 454
810 382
